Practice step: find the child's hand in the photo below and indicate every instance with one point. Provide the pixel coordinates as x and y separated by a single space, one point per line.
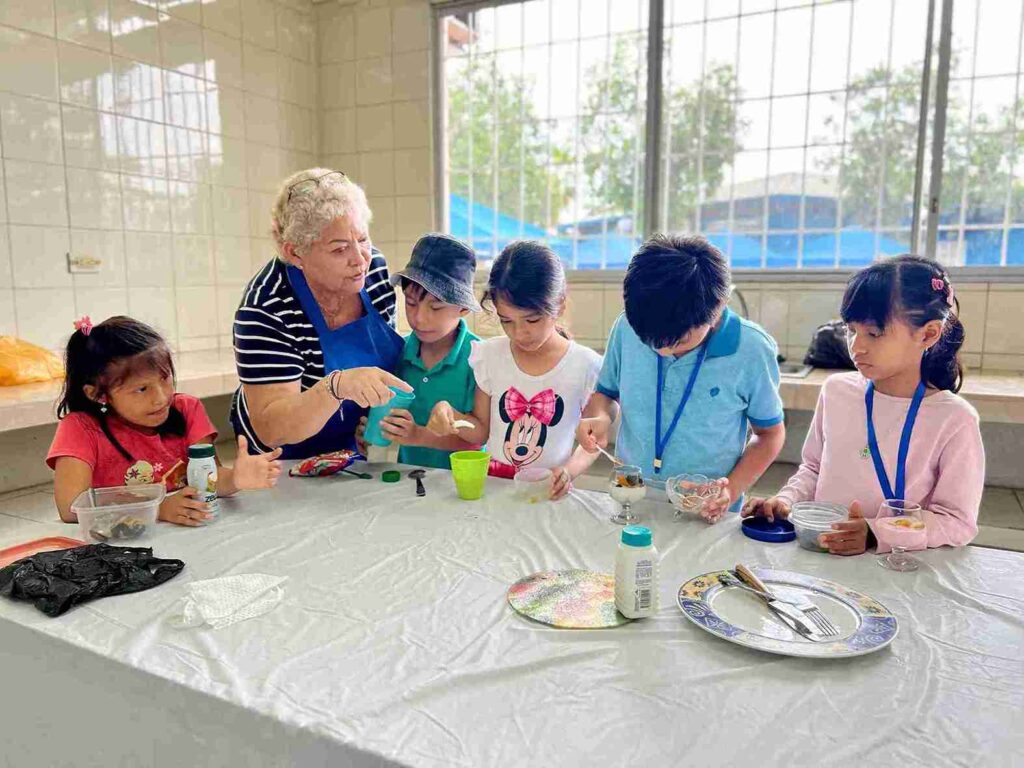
442 419
400 428
593 432
767 508
361 445
255 471
561 483
849 537
183 508
713 509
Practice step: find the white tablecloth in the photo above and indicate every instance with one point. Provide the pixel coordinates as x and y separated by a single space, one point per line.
394 644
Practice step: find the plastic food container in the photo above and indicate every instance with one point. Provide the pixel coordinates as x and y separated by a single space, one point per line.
533 484
813 518
113 515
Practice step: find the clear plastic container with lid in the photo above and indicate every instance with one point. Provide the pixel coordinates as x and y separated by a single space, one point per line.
813 518
117 514
636 573
202 475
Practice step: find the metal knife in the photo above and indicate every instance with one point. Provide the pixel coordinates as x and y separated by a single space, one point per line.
791 616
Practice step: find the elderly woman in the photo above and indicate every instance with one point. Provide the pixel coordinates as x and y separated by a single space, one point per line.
314 337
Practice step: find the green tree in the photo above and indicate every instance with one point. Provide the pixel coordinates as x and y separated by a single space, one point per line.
495 137
700 121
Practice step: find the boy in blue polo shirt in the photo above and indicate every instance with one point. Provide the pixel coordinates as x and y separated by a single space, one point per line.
689 374
438 289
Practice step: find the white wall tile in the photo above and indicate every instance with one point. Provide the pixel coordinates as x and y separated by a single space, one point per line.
226 111
297 82
376 173
28 14
382 228
336 30
90 138
258 23
296 124
223 58
338 131
86 77
190 10
294 34
193 260
412 217
410 27
227 161
149 260
187 156
775 315
6 269
86 22
197 312
265 167
8 324
38 194
156 307
106 245
260 205
260 70
373 80
146 207
28 63
134 29
138 90
373 32
3 197
411 76
223 16
45 316
412 124
39 257
94 199
232 260
338 85
374 128
413 171
230 211
101 303
31 128
191 212
1002 326
261 120
227 303
185 101
181 46
142 146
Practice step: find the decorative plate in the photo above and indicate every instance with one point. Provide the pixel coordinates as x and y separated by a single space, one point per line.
731 613
575 599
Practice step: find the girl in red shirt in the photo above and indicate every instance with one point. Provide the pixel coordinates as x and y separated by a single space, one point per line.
122 423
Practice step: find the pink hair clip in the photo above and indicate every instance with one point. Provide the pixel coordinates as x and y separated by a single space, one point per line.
84 325
940 284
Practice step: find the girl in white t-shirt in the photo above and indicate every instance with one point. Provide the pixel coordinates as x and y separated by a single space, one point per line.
533 382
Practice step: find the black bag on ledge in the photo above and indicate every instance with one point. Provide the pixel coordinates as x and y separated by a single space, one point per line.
829 348
57 581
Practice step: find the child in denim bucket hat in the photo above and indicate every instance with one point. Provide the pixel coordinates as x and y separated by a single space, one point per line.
438 289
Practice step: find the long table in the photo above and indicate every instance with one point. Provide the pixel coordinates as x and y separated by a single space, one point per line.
394 645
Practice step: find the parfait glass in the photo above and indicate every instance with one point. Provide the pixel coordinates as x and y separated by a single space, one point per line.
627 487
898 559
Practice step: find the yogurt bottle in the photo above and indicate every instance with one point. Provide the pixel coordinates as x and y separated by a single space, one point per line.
636 573
202 475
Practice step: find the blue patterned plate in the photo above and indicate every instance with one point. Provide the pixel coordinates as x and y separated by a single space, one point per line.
737 616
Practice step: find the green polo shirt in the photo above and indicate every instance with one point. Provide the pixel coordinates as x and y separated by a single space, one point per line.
451 379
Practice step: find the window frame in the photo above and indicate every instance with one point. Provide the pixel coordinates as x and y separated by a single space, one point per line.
923 238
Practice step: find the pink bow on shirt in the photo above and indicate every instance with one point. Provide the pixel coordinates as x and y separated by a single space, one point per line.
541 406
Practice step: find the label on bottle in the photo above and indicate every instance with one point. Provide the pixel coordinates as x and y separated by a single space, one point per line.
643 576
202 475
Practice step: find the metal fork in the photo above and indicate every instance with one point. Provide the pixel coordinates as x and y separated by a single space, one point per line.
808 608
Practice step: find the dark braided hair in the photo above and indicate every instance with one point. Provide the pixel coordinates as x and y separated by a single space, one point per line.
916 290
103 358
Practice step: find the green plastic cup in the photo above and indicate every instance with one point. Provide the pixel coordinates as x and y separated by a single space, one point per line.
469 469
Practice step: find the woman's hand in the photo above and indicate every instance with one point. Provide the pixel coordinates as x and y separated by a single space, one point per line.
366 387
713 509
767 508
849 537
401 429
442 419
183 508
255 471
561 483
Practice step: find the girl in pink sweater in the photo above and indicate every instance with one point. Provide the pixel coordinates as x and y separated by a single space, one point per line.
904 336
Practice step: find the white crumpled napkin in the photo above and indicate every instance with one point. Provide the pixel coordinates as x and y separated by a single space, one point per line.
230 599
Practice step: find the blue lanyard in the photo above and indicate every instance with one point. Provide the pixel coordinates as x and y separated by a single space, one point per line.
901 458
661 442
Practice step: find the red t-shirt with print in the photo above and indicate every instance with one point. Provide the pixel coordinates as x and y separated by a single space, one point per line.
156 457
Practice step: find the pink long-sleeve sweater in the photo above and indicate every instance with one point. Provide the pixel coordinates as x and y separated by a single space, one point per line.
945 465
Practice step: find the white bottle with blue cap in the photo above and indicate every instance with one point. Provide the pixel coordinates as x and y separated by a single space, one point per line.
636 573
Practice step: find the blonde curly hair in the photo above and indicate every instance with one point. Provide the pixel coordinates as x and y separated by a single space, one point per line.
301 211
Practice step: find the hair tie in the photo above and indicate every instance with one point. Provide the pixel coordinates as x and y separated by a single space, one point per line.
942 284
84 325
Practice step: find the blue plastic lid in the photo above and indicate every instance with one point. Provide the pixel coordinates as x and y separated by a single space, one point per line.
636 536
776 531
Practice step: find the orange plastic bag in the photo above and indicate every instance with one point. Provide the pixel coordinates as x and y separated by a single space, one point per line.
24 363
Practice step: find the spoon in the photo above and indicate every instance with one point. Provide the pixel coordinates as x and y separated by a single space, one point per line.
462 424
613 459
417 475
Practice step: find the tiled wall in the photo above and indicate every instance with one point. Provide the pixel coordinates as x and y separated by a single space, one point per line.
991 313
151 135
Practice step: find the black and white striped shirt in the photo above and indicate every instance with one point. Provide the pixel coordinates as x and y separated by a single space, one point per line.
275 341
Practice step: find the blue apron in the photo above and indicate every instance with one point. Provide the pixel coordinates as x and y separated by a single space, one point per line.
368 342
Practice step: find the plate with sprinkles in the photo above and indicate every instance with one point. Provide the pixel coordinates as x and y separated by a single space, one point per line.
572 599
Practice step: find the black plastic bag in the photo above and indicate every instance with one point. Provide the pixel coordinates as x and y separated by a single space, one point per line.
56 581
829 348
